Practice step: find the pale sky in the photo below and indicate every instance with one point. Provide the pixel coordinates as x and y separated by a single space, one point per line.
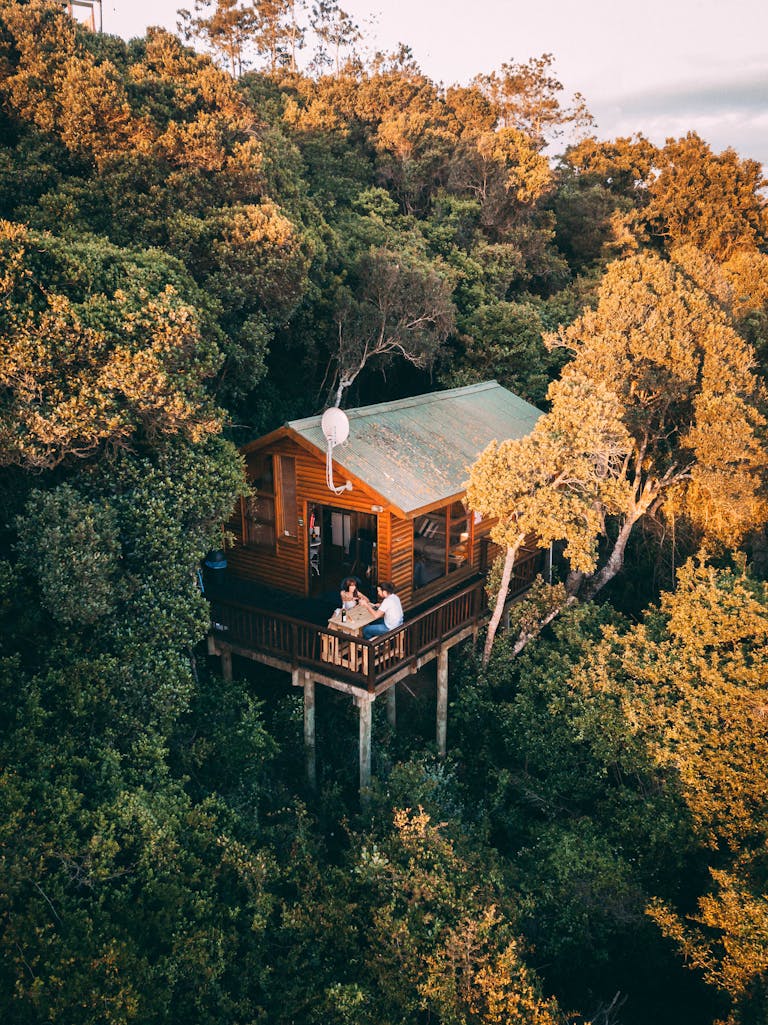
665 67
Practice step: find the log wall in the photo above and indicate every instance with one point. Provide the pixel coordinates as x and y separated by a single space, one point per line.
401 558
286 568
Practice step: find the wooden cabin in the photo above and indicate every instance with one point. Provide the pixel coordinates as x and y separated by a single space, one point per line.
403 519
396 513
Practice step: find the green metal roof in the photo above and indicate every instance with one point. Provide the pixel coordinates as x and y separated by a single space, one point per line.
418 451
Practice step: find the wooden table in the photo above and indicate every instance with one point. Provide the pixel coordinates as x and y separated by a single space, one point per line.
347 653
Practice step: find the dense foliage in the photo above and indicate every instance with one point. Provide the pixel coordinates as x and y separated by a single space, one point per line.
189 254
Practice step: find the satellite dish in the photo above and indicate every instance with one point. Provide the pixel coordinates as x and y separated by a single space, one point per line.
335 426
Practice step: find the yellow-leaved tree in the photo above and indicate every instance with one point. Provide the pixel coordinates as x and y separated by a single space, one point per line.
690 681
658 413
101 371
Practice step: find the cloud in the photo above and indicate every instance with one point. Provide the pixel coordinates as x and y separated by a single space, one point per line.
730 112
742 94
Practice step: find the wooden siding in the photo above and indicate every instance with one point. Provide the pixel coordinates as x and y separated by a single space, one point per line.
286 568
401 558
383 543
395 554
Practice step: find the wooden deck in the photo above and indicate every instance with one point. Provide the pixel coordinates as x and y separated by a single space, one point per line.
356 666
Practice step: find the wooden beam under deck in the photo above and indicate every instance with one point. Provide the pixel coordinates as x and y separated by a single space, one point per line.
301 649
226 650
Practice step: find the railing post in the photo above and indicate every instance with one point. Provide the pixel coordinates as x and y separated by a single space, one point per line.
294 644
371 682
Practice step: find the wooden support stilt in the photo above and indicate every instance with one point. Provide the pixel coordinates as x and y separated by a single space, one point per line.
392 706
365 707
442 701
309 729
226 664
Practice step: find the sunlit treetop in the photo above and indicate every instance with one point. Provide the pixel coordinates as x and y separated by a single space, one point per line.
682 193
659 414
108 369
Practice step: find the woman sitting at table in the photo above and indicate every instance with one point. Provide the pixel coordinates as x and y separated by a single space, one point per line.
350 595
389 609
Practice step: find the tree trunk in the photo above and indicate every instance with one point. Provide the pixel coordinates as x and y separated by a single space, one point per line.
346 380
528 635
501 598
591 585
573 581
344 383
615 562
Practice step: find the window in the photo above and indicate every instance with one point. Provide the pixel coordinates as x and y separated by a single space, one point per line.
458 536
440 543
287 508
259 506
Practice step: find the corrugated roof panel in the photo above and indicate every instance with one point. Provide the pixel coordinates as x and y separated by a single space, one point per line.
417 451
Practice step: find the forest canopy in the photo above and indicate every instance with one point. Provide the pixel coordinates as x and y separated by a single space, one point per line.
203 235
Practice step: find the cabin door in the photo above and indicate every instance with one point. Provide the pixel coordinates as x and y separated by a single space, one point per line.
342 543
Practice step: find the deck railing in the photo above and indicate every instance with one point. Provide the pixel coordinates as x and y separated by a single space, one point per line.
300 644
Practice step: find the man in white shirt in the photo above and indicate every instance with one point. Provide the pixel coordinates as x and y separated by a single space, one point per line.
389 610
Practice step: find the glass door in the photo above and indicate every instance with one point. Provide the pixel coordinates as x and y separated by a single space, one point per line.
441 543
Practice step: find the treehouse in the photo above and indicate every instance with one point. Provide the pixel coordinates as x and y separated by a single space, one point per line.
386 504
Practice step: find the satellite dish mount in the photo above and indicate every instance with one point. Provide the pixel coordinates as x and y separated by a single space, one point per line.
335 427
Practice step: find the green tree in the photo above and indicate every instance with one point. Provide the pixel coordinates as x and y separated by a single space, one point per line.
81 376
680 194
712 201
399 308
119 887
527 97
690 684
409 925
505 342
275 32
228 30
336 33
658 413
592 827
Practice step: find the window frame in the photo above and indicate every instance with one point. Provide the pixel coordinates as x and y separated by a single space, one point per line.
454 530
260 494
287 506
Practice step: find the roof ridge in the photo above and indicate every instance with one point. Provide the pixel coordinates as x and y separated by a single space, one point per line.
413 400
